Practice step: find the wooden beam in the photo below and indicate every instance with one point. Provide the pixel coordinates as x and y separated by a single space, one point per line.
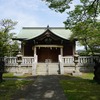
49 46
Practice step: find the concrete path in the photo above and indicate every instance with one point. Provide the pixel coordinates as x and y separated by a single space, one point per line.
44 88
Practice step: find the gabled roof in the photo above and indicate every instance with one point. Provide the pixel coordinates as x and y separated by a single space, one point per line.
32 32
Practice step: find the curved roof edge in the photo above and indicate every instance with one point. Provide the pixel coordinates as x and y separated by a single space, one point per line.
33 32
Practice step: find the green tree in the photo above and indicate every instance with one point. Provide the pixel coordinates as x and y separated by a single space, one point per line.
82 21
6 34
63 5
14 48
88 35
58 5
84 25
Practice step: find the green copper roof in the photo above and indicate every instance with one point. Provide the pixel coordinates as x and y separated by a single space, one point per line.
32 32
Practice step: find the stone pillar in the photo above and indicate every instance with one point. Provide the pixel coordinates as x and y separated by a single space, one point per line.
61 65
34 65
34 50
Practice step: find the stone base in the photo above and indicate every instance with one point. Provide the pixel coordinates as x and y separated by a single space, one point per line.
18 74
76 73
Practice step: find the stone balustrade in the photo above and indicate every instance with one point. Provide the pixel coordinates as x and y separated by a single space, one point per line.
12 61
66 60
66 64
82 61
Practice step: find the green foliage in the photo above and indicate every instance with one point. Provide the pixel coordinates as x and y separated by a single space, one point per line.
14 48
92 7
86 11
58 5
82 21
84 25
6 44
88 35
83 53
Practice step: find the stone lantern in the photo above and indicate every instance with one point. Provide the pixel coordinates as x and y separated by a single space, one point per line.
19 58
19 61
76 60
76 56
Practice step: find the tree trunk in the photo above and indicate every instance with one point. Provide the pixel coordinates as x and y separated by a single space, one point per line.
1 77
97 71
1 70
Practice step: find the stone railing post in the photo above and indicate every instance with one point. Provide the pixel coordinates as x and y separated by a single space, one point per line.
34 65
5 60
61 65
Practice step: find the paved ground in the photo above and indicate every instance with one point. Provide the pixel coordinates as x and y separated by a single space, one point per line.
44 88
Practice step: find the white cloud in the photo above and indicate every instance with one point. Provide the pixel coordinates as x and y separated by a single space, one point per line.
25 20
30 13
16 11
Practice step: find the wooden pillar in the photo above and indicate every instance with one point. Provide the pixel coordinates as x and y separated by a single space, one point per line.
22 48
34 50
74 47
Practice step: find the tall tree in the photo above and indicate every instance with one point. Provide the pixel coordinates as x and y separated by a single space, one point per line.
88 35
63 5
6 27
82 21
58 5
6 43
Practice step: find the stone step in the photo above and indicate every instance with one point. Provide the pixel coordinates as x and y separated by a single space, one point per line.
47 68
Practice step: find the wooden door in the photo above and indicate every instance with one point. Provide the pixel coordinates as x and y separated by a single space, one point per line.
50 54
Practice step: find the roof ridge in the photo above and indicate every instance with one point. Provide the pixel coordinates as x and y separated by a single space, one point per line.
43 28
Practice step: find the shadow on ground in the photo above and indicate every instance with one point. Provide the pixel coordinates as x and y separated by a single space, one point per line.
80 88
43 88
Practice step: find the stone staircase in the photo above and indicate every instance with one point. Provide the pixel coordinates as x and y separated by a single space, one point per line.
47 69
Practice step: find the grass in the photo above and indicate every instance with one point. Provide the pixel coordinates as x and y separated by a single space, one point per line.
75 88
10 87
11 75
8 75
81 88
87 76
